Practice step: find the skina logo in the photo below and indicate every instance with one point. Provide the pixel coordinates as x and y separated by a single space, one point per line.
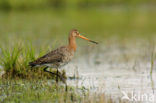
125 96
137 96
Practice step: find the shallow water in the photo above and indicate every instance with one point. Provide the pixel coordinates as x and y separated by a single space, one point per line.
115 69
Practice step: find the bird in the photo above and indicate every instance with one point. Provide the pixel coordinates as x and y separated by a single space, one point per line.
61 56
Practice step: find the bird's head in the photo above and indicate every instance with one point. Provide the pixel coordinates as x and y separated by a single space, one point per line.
75 33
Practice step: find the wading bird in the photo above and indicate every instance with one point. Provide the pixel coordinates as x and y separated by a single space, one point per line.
61 56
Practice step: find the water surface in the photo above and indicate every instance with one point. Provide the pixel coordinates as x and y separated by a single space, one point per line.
115 69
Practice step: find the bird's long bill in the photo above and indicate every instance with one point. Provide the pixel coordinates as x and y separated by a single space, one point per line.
87 39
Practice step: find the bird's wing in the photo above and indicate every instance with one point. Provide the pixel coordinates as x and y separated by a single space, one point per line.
51 57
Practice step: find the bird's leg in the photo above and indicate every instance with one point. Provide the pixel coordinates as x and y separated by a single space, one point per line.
66 87
64 81
57 75
60 76
45 70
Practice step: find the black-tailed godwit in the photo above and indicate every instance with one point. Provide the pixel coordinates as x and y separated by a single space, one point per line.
61 56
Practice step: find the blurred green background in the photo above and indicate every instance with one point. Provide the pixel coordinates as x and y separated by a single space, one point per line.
62 4
47 22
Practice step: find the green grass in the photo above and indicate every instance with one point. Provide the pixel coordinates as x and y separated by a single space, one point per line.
29 91
15 62
14 91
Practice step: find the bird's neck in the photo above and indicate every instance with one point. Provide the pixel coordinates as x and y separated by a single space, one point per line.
72 43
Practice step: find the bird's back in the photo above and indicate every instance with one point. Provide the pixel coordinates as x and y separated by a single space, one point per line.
55 58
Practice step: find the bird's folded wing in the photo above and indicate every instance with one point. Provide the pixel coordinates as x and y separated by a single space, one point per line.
49 58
